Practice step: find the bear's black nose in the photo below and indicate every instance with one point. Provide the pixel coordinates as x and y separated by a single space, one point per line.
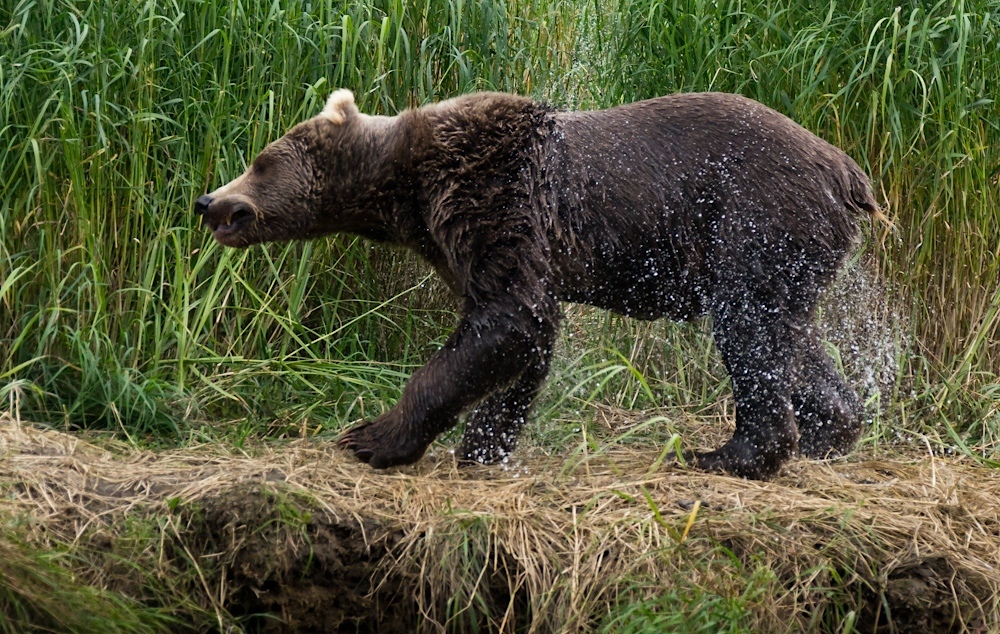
201 205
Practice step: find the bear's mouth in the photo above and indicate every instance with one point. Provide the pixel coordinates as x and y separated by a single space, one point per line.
240 217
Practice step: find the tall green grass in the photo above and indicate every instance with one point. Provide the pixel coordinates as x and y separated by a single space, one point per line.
908 92
122 312
118 311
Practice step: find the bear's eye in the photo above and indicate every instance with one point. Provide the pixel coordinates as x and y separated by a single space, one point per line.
263 163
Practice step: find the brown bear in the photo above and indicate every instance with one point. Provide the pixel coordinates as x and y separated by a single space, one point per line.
680 206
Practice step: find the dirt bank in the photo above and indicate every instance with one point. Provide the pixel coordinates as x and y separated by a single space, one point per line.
300 537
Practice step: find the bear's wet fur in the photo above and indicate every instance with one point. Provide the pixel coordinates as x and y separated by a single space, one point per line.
676 207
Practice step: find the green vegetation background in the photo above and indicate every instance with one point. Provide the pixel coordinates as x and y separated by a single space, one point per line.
117 311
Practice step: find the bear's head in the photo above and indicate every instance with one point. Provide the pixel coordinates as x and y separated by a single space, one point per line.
318 178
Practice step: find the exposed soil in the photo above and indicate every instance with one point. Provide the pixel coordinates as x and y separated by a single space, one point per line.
295 567
315 572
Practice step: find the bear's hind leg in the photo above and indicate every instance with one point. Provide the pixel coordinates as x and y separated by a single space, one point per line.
756 346
492 428
827 412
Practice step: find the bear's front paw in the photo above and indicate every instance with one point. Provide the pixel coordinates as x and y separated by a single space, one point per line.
384 442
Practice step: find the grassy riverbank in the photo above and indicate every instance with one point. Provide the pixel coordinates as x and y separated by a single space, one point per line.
119 315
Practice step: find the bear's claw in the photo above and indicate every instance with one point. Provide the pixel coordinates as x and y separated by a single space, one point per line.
382 443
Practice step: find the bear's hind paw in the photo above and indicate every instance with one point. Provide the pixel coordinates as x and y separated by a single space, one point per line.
723 460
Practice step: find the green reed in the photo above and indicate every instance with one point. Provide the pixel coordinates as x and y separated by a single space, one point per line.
117 310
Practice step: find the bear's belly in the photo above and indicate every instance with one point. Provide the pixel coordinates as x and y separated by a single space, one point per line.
643 292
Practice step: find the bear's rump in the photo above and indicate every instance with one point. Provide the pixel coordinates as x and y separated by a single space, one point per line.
649 214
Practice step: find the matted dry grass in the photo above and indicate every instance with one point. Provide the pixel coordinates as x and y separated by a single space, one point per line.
552 544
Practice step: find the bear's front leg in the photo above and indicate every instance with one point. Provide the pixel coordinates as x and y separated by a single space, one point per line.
491 348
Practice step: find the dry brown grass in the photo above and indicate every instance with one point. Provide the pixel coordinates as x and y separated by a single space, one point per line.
549 545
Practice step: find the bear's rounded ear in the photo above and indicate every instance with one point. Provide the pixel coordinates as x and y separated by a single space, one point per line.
339 105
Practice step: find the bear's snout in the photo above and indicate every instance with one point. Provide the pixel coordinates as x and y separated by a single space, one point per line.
224 216
201 205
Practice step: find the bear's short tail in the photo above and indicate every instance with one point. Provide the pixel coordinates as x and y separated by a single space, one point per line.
859 189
